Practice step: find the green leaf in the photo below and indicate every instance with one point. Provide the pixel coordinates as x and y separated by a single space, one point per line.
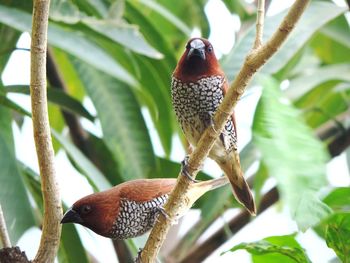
275 249
71 248
71 41
124 34
329 50
12 105
95 177
292 155
104 159
338 235
153 5
58 97
339 199
13 196
302 84
309 23
338 29
123 127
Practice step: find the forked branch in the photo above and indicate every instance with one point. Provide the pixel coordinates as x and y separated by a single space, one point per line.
254 60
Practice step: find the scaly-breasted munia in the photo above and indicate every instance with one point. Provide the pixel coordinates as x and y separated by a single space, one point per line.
198 87
130 209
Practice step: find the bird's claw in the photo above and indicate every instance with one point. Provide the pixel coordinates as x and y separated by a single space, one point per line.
138 258
184 170
162 211
210 122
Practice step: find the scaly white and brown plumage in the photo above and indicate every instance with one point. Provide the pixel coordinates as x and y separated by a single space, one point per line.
130 209
198 87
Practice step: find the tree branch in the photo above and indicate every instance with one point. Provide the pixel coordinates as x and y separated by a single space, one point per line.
4 235
202 251
51 230
259 24
253 62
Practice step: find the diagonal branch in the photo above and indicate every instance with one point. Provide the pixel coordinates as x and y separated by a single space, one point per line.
253 62
51 230
202 251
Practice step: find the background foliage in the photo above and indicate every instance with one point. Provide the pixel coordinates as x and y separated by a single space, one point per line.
121 53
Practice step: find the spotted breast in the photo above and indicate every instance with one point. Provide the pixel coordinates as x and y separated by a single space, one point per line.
136 218
195 104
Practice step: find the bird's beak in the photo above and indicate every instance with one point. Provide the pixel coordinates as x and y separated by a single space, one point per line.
71 216
197 48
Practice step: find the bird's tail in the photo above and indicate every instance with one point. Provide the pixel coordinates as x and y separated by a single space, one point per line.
241 190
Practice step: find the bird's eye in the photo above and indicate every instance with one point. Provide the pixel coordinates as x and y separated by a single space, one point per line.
210 49
86 209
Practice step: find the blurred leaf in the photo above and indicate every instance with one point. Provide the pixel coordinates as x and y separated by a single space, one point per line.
277 126
95 177
104 159
329 50
123 127
12 105
151 33
124 34
13 197
308 24
167 15
244 10
58 97
259 180
338 29
65 11
71 248
302 84
339 199
338 235
68 74
32 180
9 38
159 90
71 41
275 249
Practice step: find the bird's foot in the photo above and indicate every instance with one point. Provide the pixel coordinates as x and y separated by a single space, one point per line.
184 170
138 258
162 211
209 122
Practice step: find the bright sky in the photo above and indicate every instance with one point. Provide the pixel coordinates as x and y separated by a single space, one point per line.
272 222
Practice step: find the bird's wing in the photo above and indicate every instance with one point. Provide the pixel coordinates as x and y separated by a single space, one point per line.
229 136
146 189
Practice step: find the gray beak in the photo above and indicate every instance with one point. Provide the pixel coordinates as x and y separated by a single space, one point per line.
197 48
71 216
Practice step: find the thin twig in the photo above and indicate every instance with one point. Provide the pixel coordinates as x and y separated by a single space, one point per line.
4 235
51 230
253 62
259 24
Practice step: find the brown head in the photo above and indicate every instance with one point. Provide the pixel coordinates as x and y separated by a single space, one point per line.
198 61
96 211
100 211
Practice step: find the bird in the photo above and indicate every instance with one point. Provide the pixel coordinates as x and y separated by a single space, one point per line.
130 209
198 86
